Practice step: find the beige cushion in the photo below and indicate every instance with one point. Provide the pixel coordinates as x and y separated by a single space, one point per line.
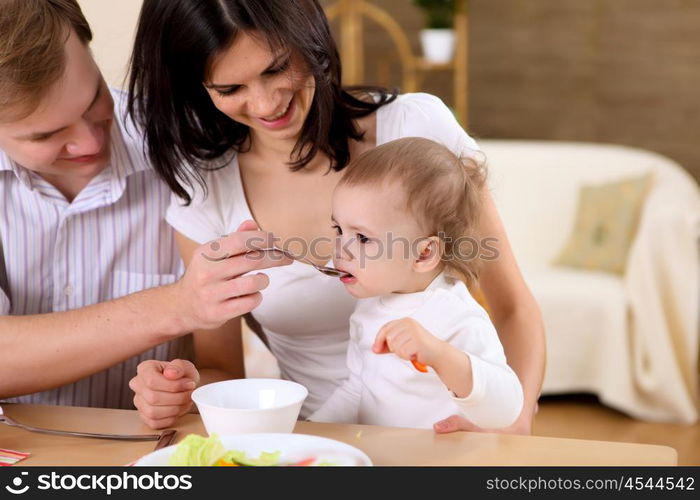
605 226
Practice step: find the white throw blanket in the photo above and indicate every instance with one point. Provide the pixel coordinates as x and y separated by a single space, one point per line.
633 340
663 285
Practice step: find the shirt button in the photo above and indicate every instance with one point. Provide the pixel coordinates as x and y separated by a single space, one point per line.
68 290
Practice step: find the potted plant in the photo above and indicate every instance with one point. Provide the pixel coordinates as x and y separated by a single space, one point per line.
438 38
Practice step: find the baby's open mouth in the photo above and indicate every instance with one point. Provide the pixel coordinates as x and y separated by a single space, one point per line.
348 278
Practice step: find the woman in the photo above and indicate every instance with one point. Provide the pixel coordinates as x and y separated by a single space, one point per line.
245 119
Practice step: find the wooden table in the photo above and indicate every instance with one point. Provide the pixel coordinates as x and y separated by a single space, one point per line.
384 445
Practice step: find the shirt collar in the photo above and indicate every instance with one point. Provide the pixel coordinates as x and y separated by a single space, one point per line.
128 152
413 300
126 159
7 164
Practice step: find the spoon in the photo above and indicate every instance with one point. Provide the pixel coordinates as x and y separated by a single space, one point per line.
328 271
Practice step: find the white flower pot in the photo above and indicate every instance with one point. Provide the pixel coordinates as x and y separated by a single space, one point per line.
438 45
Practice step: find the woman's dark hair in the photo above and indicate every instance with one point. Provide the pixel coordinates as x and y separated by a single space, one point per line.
175 43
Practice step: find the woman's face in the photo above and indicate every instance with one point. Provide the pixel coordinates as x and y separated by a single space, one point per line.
269 92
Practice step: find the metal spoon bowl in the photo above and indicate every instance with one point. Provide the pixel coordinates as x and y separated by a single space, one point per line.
328 271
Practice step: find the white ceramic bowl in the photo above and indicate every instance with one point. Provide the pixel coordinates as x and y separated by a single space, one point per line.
249 405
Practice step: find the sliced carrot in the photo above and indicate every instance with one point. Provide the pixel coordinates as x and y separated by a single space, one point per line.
224 463
419 366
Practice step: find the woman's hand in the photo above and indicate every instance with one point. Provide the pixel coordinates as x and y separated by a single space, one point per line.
457 423
216 286
163 391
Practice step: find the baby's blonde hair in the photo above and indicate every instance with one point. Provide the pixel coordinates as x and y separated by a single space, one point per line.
442 191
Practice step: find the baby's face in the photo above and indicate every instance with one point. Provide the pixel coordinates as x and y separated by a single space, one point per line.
377 239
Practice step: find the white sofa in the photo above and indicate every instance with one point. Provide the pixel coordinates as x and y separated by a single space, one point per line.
633 339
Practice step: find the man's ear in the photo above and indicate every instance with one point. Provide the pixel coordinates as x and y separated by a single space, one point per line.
429 254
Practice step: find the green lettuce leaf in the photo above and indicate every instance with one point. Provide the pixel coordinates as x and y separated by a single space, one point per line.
265 459
197 450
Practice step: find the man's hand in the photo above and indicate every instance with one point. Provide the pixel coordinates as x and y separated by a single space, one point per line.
220 284
163 391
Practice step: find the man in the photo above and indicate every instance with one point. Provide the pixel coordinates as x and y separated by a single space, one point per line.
88 266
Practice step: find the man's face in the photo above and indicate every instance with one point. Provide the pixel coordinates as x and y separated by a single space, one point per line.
66 139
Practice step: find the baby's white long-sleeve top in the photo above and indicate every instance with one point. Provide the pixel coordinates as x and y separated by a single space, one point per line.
383 389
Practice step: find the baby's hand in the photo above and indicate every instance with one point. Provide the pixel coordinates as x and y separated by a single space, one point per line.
410 341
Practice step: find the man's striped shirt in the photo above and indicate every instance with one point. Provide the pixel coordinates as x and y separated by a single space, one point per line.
110 241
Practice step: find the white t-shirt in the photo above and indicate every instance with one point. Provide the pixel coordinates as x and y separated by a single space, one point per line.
383 389
305 314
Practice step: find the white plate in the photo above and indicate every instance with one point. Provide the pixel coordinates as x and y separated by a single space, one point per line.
292 448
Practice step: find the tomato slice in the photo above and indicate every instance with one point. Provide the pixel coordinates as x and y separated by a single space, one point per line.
306 461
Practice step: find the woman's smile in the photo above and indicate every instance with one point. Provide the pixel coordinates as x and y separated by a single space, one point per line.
281 119
279 115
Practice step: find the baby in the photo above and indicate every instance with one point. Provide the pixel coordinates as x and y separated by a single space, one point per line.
403 212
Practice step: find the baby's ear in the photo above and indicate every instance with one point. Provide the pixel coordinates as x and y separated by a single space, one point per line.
429 254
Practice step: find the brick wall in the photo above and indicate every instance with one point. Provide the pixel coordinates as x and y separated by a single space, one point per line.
617 71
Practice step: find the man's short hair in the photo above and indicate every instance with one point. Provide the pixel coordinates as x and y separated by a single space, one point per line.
33 34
